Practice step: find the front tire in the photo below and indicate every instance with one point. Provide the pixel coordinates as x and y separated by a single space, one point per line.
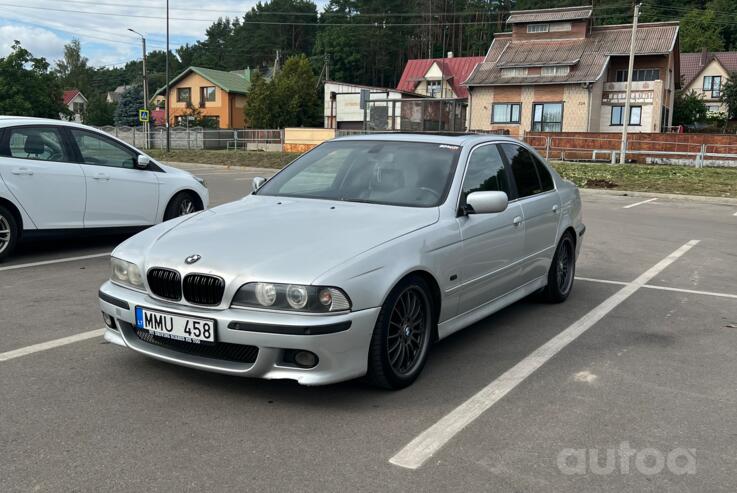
562 271
182 204
8 233
402 335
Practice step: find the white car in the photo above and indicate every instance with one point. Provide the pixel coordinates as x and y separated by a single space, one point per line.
58 176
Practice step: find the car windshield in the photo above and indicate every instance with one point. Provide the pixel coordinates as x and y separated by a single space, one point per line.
410 174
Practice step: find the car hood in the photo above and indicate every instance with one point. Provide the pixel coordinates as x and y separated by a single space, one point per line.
281 239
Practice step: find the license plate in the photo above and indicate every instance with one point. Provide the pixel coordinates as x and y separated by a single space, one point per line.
188 329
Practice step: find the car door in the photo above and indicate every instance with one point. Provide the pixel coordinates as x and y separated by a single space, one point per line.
118 194
39 170
540 208
492 244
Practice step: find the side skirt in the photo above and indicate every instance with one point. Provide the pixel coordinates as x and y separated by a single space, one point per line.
470 317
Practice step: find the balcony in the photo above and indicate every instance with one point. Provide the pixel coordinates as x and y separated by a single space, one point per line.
645 85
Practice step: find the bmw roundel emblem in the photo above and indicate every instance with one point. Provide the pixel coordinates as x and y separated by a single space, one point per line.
192 259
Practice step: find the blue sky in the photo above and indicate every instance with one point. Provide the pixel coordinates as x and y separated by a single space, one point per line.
44 26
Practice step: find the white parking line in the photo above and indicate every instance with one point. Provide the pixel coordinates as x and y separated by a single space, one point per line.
639 203
419 450
25 351
55 261
662 288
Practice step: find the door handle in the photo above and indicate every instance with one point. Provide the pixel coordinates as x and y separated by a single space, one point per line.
517 221
555 209
22 171
101 177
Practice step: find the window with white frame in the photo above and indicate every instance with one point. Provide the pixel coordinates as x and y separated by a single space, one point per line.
505 113
713 85
434 88
556 70
514 72
538 28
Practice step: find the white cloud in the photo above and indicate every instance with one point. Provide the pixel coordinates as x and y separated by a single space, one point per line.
40 42
105 38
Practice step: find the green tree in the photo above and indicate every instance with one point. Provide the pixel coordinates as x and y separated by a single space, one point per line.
290 99
729 95
700 29
27 86
689 108
126 114
99 112
73 69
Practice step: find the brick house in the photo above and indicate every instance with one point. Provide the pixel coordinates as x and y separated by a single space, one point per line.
705 73
556 71
219 95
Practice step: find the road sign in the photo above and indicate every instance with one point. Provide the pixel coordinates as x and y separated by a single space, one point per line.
144 116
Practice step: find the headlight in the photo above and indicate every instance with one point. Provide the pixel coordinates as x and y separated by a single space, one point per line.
292 297
125 273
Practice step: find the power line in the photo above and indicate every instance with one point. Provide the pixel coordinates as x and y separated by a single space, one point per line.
308 14
383 24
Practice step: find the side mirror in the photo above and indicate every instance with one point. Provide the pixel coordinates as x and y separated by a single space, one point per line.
258 182
486 202
142 162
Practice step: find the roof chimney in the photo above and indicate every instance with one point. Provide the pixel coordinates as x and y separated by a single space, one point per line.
704 56
450 54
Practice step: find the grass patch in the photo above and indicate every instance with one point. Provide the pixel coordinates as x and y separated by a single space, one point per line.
715 182
255 159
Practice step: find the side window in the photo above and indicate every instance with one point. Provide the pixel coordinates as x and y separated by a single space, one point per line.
523 170
39 143
485 172
546 179
100 151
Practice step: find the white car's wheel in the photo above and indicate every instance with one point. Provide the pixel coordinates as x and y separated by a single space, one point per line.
182 204
8 232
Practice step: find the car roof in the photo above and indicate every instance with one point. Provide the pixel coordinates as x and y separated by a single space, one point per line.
7 121
437 138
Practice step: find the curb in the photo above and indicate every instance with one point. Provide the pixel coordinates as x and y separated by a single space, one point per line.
670 196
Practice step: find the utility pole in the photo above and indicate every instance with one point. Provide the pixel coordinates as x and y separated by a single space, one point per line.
327 67
626 116
168 122
145 86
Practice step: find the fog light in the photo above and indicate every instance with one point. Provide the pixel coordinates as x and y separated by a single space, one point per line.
305 359
109 321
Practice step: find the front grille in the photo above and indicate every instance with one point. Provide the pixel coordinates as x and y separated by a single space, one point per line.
220 350
201 289
165 283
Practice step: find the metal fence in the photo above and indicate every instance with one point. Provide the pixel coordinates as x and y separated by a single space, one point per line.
197 138
605 149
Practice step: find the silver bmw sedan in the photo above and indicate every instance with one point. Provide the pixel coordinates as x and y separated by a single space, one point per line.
349 262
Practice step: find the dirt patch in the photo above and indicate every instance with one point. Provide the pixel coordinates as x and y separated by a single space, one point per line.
600 183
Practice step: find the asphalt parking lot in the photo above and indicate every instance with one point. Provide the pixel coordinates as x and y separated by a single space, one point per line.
641 358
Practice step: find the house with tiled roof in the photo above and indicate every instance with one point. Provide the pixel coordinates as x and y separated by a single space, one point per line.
219 95
557 72
438 77
76 103
705 73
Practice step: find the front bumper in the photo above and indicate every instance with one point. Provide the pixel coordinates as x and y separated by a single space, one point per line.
343 354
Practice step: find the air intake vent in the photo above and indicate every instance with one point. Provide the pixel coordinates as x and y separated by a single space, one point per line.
165 283
201 289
